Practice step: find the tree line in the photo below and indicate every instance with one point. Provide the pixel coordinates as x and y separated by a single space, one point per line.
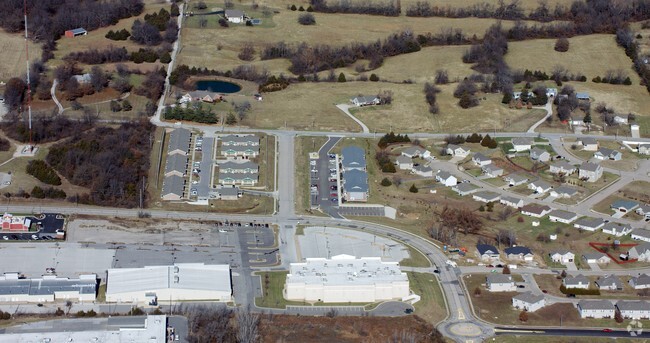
43 172
196 113
389 8
625 39
46 128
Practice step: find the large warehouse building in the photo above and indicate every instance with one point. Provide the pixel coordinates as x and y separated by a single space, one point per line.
344 278
180 282
47 289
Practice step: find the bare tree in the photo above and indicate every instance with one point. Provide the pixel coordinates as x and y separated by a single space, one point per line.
247 52
248 326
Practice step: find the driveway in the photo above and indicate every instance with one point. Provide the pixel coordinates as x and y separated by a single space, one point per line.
571 267
346 109
595 267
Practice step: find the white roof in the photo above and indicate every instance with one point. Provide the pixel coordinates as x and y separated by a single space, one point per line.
197 276
345 270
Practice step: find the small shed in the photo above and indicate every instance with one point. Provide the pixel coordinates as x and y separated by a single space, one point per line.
76 32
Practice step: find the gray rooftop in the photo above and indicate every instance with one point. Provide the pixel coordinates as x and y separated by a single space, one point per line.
560 252
177 163
242 148
422 169
480 157
588 166
487 195
345 270
510 199
466 187
562 214
589 222
566 190
228 191
529 297
490 168
643 279
642 233
230 165
353 157
401 159
541 183
616 226
173 184
245 139
564 165
593 255
365 98
626 204
595 305
608 280
536 152
574 280
444 175
234 13
516 178
355 181
588 140
179 139
414 150
517 250
628 305
522 141
498 278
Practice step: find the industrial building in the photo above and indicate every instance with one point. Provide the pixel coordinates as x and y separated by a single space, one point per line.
48 288
150 329
344 278
178 282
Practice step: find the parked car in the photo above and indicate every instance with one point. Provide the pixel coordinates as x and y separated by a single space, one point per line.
335 199
34 237
5 238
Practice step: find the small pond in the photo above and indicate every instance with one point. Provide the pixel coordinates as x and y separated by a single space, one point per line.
217 86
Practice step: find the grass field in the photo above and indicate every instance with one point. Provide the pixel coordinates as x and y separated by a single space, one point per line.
431 306
12 54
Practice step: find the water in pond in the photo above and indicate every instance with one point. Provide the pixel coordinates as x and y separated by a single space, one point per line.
217 86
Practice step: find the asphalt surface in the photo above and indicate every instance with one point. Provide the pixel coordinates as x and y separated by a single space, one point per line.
570 332
321 178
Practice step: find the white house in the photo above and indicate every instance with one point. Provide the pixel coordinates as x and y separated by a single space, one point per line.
608 154
416 151
588 143
235 16
643 149
597 258
562 167
561 216
596 309
492 170
562 256
535 210
457 150
511 201
446 178
609 283
519 253
481 160
515 179
540 186
522 143
617 229
625 206
404 163
638 309
528 301
644 210
642 281
640 252
464 189
578 281
486 196
487 252
423 171
589 224
500 283
641 235
365 100
590 172
537 154
564 192
551 92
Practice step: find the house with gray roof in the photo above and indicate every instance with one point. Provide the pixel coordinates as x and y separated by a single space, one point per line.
500 283
515 179
481 160
634 309
617 229
609 283
365 100
589 224
641 235
540 186
642 281
520 144
416 151
234 16
562 256
528 301
511 201
588 143
596 309
535 210
608 154
446 178
240 151
577 281
564 191
562 167
173 188
424 171
487 252
582 96
640 252
643 149
176 165
353 157
538 154
561 216
179 142
457 150
464 189
644 210
238 167
625 206
596 258
355 185
492 170
229 193
519 253
404 163
240 179
590 172
486 196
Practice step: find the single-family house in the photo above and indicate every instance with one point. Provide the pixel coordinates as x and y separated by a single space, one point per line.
404 163
535 210
562 256
528 301
203 96
517 95
540 186
511 201
640 252
515 179
518 253
355 185
577 121
609 283
551 92
464 189
624 206
617 229
582 96
634 309
235 16
421 170
561 216
522 143
608 154
234 167
644 210
365 100
620 120
486 196
643 149
641 235
76 32
562 167
596 308
642 281
446 178
481 160
589 224
596 257
588 143
492 170
242 179
537 154
500 283
457 150
564 191
487 252
590 172
416 151
240 140
577 281
353 157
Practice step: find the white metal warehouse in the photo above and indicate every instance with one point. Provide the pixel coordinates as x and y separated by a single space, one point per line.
178 282
344 278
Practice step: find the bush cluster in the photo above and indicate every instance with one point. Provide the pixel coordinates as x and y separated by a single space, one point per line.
43 172
198 114
430 92
389 8
489 142
122 34
47 193
579 291
391 138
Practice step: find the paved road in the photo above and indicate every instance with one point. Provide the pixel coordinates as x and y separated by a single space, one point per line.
585 332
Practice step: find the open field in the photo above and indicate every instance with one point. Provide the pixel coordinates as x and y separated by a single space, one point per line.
12 54
431 306
591 55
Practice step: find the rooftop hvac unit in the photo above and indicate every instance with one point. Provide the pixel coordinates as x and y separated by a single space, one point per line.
176 279
176 269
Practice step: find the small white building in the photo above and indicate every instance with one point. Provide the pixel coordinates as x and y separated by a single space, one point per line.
562 256
640 252
562 216
500 283
643 149
638 309
404 163
366 100
416 151
538 154
590 172
641 235
528 301
609 283
564 191
535 210
540 186
491 170
486 196
345 278
446 179
588 143
235 16
464 189
643 210
481 160
519 253
596 258
562 167
596 309
515 179
608 154
424 171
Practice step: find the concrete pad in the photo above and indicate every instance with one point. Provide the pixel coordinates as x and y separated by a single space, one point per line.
330 241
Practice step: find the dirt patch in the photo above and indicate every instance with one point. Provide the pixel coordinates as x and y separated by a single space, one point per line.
345 329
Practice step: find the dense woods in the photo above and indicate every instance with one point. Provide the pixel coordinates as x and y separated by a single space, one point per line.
45 128
43 172
111 162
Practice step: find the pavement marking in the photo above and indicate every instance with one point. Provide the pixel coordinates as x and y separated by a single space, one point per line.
461 315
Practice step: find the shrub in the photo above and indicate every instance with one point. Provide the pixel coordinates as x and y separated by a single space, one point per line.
413 189
293 7
80 314
59 312
49 193
561 45
301 9
374 77
306 19
126 106
5 145
91 313
341 77
386 182
579 291
43 172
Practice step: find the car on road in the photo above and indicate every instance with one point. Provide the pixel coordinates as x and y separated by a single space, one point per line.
194 182
521 286
490 266
570 295
194 191
332 155
332 180
436 271
607 330
499 265
333 194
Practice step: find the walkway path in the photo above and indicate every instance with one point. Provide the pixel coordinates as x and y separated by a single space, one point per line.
549 112
53 93
346 109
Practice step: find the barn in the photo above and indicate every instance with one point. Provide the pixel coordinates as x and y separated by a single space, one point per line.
76 32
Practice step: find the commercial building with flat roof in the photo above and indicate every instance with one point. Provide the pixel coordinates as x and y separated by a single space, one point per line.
48 288
345 278
178 282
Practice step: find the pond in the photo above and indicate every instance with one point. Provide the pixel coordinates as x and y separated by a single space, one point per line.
217 86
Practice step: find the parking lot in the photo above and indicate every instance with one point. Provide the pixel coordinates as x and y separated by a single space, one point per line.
47 225
325 176
370 211
259 244
201 175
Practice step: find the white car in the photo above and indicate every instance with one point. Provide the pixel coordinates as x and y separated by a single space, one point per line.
5 238
34 237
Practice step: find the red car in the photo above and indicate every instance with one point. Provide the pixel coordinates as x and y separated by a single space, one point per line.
607 330
544 291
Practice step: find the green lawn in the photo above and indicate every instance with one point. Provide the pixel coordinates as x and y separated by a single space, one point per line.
416 259
431 306
272 290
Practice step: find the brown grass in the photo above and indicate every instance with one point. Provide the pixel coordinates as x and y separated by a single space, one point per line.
12 54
